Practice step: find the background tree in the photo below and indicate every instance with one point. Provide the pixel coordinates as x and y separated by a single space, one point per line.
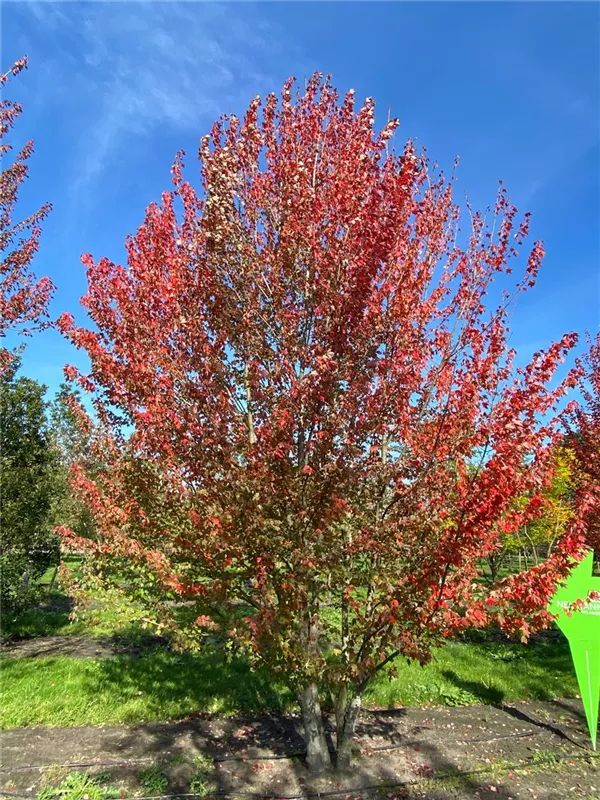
542 533
28 463
23 298
537 538
70 438
312 430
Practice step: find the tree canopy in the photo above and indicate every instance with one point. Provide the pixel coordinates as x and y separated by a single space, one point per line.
312 429
28 468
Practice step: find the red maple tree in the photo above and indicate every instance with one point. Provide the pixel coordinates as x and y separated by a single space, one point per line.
23 298
313 428
585 441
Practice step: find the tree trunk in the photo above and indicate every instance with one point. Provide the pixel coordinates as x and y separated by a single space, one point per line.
53 580
317 752
346 714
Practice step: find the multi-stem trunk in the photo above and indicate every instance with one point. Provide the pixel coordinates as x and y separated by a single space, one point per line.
346 714
347 709
317 751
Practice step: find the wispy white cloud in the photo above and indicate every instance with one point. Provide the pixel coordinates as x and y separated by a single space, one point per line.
572 108
124 68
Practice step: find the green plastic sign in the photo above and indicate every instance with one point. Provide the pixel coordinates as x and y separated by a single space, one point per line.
582 629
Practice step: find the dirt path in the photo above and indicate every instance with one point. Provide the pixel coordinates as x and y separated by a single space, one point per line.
460 753
80 646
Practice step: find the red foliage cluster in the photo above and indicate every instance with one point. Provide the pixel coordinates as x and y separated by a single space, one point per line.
585 441
23 298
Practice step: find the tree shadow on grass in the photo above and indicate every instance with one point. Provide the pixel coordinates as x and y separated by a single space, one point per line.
171 685
44 619
551 653
478 689
537 671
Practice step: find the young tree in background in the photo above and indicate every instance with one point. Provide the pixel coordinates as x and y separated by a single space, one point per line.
537 538
28 470
310 407
543 532
23 298
70 439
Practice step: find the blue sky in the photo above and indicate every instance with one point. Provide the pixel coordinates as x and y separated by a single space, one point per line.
114 89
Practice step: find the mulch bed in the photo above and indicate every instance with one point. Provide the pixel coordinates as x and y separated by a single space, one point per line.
460 753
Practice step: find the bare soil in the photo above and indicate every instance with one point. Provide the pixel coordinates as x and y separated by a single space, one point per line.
533 751
81 646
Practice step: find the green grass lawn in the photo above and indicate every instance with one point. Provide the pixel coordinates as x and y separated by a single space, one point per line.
52 618
158 684
161 685
73 562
